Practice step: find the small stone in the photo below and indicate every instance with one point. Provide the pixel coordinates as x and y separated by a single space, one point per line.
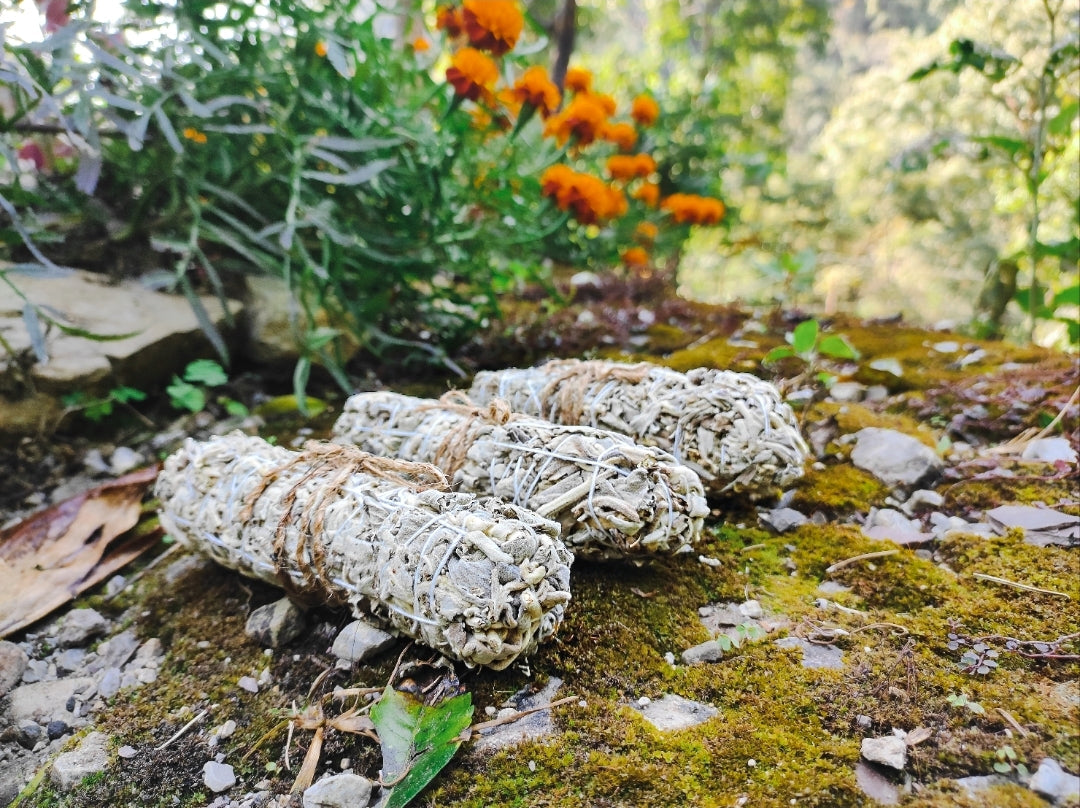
124 459
923 498
90 757
41 700
782 520
227 729
832 588
37 670
814 655
248 683
888 750
115 651
69 660
127 752
275 624
1054 783
360 640
875 785
218 776
79 626
95 461
150 651
115 585
708 651
109 684
896 459
13 662
752 610
27 733
56 729
669 658
847 392
674 712
1050 450
346 790
533 727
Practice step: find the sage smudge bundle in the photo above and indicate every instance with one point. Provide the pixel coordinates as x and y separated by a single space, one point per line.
733 429
480 581
614 498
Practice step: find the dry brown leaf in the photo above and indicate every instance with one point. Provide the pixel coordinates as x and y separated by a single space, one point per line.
918 735
52 556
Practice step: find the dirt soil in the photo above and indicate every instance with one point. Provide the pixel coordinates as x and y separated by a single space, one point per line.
784 734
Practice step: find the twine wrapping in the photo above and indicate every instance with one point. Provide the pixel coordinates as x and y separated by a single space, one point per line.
480 581
613 497
733 429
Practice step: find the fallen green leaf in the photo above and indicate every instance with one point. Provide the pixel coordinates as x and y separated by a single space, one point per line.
417 739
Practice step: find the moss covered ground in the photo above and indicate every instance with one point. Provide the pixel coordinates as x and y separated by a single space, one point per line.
784 734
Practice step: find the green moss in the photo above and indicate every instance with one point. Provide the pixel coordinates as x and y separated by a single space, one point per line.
716 353
665 338
838 489
990 492
850 418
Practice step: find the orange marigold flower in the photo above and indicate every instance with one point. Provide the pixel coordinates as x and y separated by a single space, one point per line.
472 73
646 232
645 110
493 25
420 44
629 166
449 19
589 199
694 209
649 193
536 89
578 80
635 257
194 135
320 49
622 134
607 102
583 119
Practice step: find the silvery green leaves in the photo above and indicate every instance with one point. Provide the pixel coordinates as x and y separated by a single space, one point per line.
613 497
733 429
480 581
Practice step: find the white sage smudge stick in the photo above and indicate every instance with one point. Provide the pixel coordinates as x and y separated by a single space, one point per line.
614 498
733 429
480 581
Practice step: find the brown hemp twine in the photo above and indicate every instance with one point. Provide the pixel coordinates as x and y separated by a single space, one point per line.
318 457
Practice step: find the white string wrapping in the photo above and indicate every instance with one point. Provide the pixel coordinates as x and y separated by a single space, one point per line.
733 429
614 498
480 581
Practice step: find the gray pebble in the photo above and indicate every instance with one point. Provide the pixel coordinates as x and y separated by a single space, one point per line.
708 651
896 459
79 626
888 750
346 790
361 640
1054 783
275 624
90 757
13 662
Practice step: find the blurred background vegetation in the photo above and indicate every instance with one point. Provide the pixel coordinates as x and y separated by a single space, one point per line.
915 157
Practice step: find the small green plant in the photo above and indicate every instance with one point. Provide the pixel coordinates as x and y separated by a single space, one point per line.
959 700
745 632
1008 762
190 392
98 409
806 342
